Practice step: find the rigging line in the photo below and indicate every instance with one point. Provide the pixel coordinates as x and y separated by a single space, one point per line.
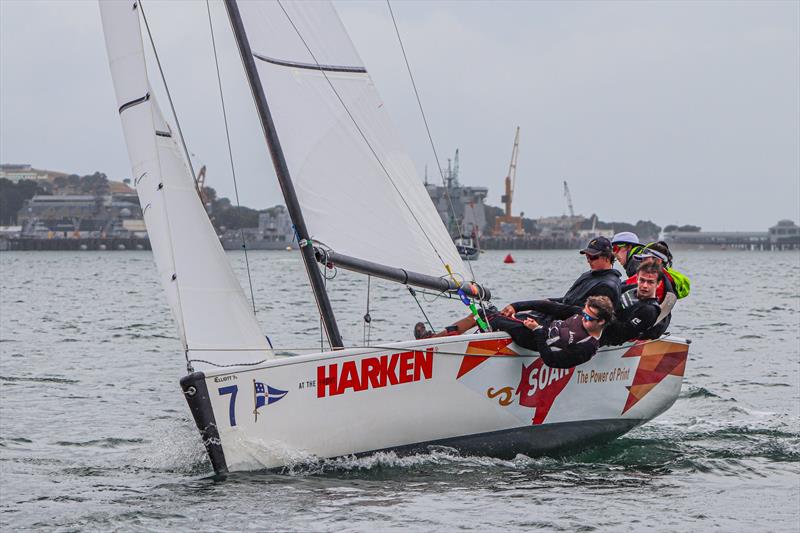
325 287
433 145
230 155
414 294
169 96
425 121
363 135
367 316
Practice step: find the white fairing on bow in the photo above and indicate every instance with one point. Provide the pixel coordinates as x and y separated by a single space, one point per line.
215 321
363 204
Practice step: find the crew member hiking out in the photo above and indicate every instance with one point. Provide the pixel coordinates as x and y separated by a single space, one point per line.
576 338
600 280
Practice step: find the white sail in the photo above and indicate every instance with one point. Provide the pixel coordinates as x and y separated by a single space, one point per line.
361 198
215 320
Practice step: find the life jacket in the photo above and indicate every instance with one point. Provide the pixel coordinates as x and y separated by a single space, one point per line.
679 281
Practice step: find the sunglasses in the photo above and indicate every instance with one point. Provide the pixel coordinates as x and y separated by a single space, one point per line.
587 316
617 247
592 257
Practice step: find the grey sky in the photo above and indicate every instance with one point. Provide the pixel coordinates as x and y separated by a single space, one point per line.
679 112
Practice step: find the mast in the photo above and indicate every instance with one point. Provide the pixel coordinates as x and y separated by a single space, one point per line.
284 179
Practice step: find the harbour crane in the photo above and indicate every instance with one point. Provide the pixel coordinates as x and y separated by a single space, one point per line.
512 176
508 223
200 184
568 196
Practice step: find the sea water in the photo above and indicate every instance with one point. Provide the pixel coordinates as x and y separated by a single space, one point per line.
95 433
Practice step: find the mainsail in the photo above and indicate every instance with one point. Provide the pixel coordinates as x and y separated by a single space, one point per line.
215 321
358 190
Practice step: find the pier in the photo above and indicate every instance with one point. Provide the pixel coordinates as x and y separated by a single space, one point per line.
97 243
785 235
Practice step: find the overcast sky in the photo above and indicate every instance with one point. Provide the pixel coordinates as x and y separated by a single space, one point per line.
678 112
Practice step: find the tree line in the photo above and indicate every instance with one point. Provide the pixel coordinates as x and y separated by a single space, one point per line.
223 214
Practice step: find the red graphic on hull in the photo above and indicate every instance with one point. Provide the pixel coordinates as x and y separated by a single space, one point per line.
374 372
480 351
657 361
540 385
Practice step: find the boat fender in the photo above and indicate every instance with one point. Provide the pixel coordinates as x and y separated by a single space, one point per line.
197 396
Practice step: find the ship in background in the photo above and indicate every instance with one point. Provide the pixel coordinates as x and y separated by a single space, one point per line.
461 208
274 232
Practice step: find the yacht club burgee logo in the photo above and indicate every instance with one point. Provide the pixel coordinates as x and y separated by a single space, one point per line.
265 395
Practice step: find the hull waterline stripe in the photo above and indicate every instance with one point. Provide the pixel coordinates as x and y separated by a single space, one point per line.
132 103
310 66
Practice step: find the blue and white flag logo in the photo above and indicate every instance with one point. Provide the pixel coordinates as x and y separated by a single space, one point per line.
266 395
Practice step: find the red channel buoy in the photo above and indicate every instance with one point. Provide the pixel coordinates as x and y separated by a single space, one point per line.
508 259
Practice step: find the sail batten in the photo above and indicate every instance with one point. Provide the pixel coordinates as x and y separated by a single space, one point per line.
310 66
203 293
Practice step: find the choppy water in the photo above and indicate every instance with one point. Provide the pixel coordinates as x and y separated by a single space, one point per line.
95 434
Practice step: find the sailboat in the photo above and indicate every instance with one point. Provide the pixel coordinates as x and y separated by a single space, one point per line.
466 247
350 190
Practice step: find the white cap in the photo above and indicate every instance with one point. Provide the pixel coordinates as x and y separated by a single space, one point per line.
625 237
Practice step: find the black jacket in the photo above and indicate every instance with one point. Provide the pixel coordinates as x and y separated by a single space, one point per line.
633 321
593 283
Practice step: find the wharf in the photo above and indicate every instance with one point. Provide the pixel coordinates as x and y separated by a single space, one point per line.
531 243
95 243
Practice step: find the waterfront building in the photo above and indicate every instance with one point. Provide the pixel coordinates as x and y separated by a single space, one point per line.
785 233
72 216
18 172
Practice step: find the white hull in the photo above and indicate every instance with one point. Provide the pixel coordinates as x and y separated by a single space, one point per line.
477 393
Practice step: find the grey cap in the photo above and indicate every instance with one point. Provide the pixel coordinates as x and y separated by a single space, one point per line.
625 237
647 252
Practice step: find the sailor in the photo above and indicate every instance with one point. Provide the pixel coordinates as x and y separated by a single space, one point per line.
668 291
658 254
638 316
576 337
625 246
601 279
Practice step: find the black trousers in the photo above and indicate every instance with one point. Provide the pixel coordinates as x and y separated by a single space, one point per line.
520 334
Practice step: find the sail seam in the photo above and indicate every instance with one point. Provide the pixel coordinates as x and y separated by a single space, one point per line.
310 66
132 103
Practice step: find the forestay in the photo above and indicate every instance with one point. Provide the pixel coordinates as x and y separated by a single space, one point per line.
361 198
215 321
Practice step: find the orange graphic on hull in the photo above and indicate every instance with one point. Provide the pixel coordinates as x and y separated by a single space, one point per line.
507 394
479 351
657 361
